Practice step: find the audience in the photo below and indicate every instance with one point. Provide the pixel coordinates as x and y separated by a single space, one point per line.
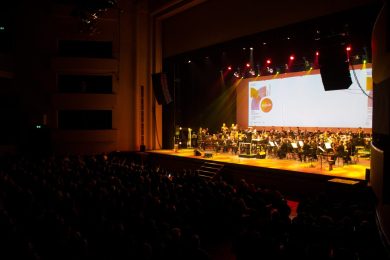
113 207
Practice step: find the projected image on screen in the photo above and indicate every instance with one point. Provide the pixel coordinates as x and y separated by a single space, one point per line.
302 101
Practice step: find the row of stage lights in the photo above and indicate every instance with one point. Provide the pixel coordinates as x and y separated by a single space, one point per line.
268 69
249 70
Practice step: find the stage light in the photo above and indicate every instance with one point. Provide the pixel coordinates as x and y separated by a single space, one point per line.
348 48
251 48
268 61
317 53
264 43
252 72
189 61
307 65
229 68
364 61
236 74
248 65
292 57
270 70
317 35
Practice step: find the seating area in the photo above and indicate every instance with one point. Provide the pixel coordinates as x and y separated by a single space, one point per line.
119 207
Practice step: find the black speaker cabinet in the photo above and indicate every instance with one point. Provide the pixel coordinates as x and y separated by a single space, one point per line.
334 67
161 88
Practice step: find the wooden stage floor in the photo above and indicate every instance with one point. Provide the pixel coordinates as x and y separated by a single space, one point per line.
354 171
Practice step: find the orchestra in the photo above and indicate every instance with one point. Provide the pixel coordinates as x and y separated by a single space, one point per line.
284 143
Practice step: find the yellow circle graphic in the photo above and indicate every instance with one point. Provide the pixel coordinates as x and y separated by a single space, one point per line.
266 105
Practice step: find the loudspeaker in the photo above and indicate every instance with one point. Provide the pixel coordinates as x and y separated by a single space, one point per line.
334 67
161 88
197 153
208 155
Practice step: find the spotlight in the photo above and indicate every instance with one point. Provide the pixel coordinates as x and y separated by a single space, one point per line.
268 61
251 48
248 65
292 57
252 72
317 53
317 35
229 68
270 70
307 65
189 61
348 48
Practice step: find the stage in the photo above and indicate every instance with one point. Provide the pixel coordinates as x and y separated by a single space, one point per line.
355 170
286 174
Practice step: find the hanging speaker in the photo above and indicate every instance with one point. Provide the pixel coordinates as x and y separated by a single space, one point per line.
334 67
161 88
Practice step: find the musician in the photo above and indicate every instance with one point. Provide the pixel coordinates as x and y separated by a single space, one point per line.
201 138
224 128
194 139
306 151
339 150
283 148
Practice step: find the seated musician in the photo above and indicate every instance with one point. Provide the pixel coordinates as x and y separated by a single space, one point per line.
313 149
282 151
346 152
339 151
306 151
194 139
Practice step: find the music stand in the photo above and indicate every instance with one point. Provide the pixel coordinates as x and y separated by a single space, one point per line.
294 145
322 149
328 146
272 144
300 143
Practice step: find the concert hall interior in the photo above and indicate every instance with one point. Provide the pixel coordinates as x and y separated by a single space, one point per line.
194 129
